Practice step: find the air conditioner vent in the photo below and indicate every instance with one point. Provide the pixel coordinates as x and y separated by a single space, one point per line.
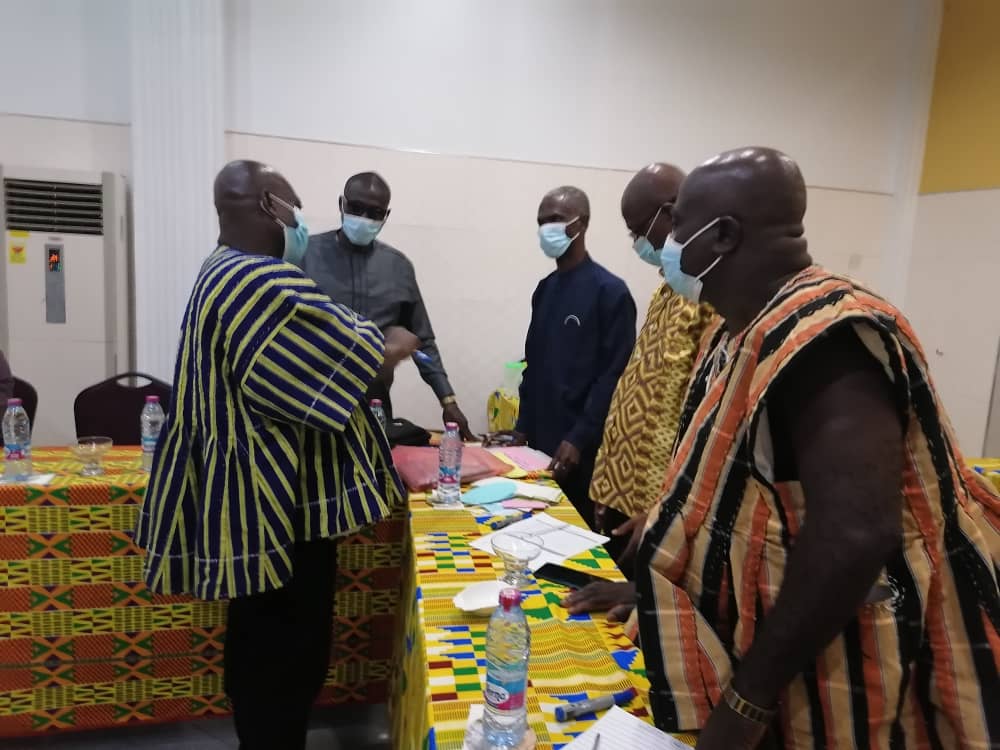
53 207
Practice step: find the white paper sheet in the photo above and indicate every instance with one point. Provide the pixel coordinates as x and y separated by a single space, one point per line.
620 730
35 479
560 540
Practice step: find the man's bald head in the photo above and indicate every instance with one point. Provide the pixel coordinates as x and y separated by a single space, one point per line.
252 201
246 180
647 201
367 194
749 205
754 184
567 202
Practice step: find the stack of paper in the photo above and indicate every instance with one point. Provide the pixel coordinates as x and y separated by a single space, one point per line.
620 730
560 541
523 457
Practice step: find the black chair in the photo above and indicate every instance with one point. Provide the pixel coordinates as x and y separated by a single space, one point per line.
28 395
112 408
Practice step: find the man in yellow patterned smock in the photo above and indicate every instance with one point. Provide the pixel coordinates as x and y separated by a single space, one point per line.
645 410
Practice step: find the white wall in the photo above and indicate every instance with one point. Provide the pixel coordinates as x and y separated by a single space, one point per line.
600 83
65 58
469 227
952 303
469 107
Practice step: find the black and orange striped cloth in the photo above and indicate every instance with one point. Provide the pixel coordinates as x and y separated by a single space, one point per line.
917 670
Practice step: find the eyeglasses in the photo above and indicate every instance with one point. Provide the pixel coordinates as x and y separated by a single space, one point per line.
356 208
282 202
667 208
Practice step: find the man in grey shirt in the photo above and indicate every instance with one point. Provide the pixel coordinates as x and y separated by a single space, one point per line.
377 281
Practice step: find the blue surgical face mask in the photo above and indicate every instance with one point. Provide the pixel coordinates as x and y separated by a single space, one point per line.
554 239
644 248
297 237
684 284
361 230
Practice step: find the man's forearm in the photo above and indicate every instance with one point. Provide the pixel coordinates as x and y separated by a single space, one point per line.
829 574
432 371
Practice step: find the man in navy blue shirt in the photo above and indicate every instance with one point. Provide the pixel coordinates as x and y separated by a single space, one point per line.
580 338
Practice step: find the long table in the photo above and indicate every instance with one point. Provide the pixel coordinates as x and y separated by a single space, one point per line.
443 662
84 644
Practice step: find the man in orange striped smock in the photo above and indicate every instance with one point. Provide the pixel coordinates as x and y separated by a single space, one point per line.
823 566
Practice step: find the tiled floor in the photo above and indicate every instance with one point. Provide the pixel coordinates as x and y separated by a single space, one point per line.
355 728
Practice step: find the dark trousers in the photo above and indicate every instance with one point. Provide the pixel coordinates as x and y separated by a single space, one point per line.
278 649
576 487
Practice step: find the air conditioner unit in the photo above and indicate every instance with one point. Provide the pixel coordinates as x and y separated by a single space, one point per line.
66 318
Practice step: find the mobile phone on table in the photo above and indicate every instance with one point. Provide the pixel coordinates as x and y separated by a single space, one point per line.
573 579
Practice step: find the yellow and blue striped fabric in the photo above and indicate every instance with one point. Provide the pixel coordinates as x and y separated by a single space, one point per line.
267 440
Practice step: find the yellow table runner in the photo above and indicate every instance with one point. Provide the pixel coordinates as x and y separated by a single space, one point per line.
443 655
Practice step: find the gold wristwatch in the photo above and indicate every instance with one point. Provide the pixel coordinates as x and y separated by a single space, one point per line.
449 400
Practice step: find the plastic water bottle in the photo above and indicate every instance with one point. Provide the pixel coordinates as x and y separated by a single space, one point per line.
150 423
379 412
16 442
508 646
449 485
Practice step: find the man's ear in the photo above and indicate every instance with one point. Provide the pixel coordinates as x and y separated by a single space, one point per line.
340 204
729 235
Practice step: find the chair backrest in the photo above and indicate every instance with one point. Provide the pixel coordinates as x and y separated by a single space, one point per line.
28 395
112 408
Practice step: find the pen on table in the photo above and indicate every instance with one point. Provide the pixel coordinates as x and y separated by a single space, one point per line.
421 357
597 742
570 711
503 524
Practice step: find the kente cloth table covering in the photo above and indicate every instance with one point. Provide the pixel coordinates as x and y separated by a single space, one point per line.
84 644
443 649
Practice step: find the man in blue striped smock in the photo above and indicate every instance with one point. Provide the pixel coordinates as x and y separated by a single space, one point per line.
268 454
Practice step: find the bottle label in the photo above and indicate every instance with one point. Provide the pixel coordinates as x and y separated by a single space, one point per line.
447 477
148 444
505 695
14 452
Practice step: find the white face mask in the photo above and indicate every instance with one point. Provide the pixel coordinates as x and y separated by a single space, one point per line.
684 284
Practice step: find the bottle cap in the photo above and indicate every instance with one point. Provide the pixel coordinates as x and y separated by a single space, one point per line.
451 425
376 402
152 399
14 402
509 598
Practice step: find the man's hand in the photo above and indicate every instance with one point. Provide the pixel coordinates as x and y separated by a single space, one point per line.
727 730
565 461
452 413
505 438
617 599
399 345
633 528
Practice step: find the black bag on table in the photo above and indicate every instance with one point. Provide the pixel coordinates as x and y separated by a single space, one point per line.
404 432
